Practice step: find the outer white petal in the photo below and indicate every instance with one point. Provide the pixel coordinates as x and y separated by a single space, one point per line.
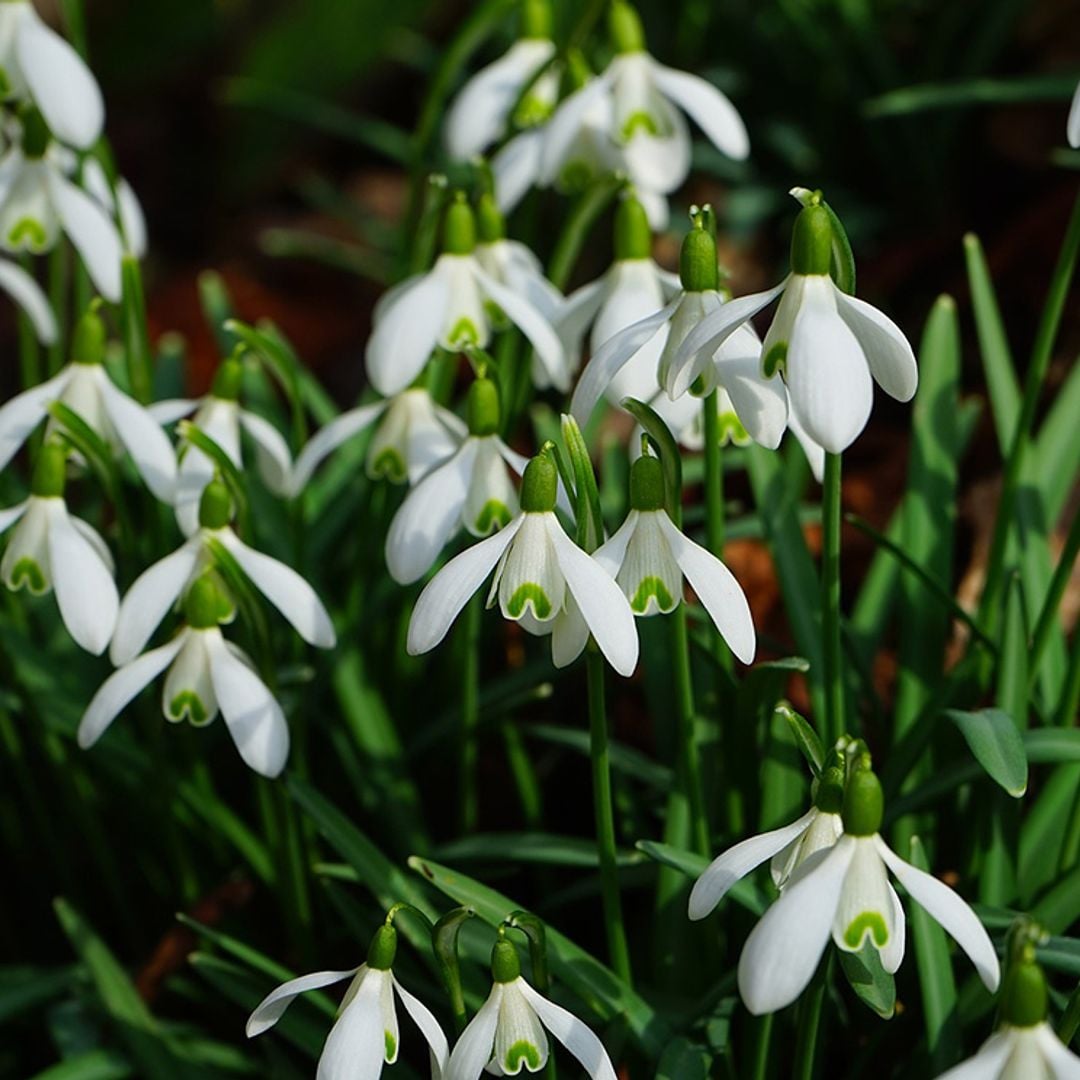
823 831
612 357
887 350
783 950
708 107
947 908
660 163
93 233
406 334
271 452
473 1049
1073 127
612 552
356 1046
655 205
603 606
569 634
149 599
142 436
562 129
815 452
286 590
170 410
429 1027
720 594
132 218
516 168
85 590
1064 1064
255 720
25 411
761 404
270 1010
12 514
328 438
449 590
892 956
122 685
735 863
26 292
988 1063
573 1033
61 84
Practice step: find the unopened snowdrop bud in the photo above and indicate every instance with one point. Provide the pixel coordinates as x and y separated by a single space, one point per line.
50 472
647 484
215 505
505 963
489 219
811 241
539 485
459 227
89 339
482 408
624 25
864 804
1024 996
228 379
633 236
698 268
383 949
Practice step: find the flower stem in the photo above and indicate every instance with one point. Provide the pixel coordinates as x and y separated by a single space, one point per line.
809 1024
618 949
58 297
29 352
470 715
714 504
688 757
833 721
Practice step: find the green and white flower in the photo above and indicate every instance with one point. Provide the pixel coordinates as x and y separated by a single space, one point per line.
365 1035
540 574
508 1033
205 674
844 892
51 550
120 202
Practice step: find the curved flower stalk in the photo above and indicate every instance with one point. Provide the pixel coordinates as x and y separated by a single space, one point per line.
831 347
27 293
415 435
471 489
844 892
365 1035
647 101
158 588
540 574
451 307
51 550
39 66
84 386
220 416
205 674
120 202
508 1033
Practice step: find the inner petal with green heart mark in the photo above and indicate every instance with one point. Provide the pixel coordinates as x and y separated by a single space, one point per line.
388 464
868 924
774 359
187 705
491 500
530 579
189 693
649 576
521 1053
732 430
865 910
639 121
520 1041
27 572
28 232
494 515
464 332
524 595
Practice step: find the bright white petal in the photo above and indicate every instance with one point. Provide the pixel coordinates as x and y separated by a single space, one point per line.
735 863
815 452
660 163
356 1045
26 292
270 1010
708 108
429 1027
575 1035
25 411
887 350
1064 1064
761 404
562 130
530 585
656 208
132 219
892 956
988 1063
783 950
172 409
516 168
93 233
569 634
473 1049
491 500
866 903
12 514
520 1041
271 452
947 908
406 334
328 438
1073 129
612 552
716 588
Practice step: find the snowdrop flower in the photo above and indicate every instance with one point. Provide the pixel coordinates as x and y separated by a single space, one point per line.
120 202
38 65
50 549
540 573
85 387
827 344
759 403
1073 127
157 589
1025 1047
634 288
365 1034
472 488
220 416
415 435
649 557
27 293
844 891
508 1033
646 101
205 673
450 306
491 101
788 847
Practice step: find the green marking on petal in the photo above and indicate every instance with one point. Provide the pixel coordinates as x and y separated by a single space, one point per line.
732 430
774 359
869 922
529 592
533 110
391 1045
188 704
29 229
639 121
493 516
651 586
389 465
576 175
522 1053
27 572
464 332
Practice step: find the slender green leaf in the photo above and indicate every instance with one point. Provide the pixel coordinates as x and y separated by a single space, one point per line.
994 740
89 1065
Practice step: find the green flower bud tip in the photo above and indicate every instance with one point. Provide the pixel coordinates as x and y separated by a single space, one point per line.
539 485
647 484
88 342
50 471
215 505
482 408
459 228
228 379
811 241
489 218
536 19
35 134
864 804
505 965
633 237
697 260
624 25
204 603
383 949
1024 996
829 797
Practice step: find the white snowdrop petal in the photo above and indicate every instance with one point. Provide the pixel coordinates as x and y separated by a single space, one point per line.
562 129
569 634
516 168
25 411
815 452
406 334
132 219
472 1051
823 831
1073 126
738 861
93 233
272 454
520 1041
612 552
761 404
656 207
328 438
491 500
708 108
783 950
649 576
988 1063
887 350
865 908
578 311
12 514
188 691
947 908
169 410
388 1012
573 1033
660 163
26 560
27 293
531 581
270 1010
1063 1063
429 1027
892 956
356 1045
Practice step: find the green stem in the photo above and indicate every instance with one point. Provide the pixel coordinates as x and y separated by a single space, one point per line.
714 504
1070 1019
618 949
29 350
688 757
833 726
762 1039
525 779
136 332
1050 615
809 1025
1070 694
470 715
58 298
